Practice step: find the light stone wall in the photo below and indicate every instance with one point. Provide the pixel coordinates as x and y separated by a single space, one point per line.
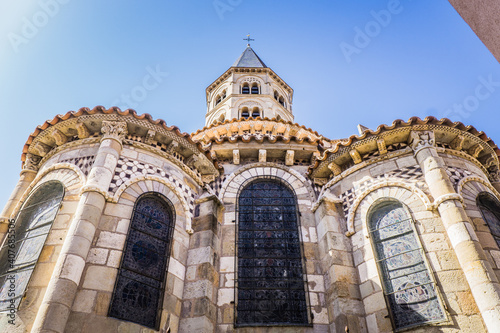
452 284
90 308
309 233
35 291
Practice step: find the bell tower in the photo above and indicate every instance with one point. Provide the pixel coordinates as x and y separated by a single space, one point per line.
248 89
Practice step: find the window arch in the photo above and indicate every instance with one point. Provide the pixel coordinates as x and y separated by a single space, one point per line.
276 96
271 284
255 88
408 286
20 252
138 292
490 210
282 101
245 113
245 89
218 100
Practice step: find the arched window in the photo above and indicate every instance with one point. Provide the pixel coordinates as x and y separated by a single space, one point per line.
223 94
490 209
245 89
222 118
23 245
270 278
244 113
140 284
218 100
255 88
255 112
282 101
407 283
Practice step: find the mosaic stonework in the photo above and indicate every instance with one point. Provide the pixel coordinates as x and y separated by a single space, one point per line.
411 174
127 169
457 174
84 163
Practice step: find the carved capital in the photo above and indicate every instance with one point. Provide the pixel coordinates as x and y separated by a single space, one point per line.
83 131
59 137
115 130
421 139
494 176
31 162
335 168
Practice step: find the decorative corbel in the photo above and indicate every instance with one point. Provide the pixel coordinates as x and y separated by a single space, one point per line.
458 142
356 157
262 155
289 157
236 156
150 136
59 137
320 181
83 131
191 160
172 147
40 149
335 168
475 150
381 146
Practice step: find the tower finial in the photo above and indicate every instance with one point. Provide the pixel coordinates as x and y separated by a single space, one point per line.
248 39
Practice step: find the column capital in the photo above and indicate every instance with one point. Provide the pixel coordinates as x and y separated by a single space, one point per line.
421 139
31 163
114 130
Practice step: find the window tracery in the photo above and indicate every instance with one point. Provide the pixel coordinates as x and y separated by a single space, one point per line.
270 284
408 286
20 252
139 288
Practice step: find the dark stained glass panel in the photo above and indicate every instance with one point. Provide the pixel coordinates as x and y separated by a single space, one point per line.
490 210
270 274
139 287
21 250
408 286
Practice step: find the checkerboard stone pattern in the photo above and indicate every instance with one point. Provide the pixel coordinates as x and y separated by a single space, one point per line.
84 163
127 169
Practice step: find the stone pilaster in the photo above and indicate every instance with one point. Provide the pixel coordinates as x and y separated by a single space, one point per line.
478 271
199 311
345 308
56 305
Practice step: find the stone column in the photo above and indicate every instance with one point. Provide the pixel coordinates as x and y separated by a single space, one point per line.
56 305
28 173
478 271
199 311
345 309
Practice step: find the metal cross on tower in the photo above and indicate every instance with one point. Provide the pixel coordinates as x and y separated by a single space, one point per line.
248 39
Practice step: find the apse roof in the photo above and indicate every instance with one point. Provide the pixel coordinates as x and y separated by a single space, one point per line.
249 59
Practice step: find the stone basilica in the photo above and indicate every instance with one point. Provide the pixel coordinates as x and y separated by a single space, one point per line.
120 223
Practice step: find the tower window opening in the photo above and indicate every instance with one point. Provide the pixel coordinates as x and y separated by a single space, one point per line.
276 97
282 101
244 113
255 113
245 89
255 88
219 99
223 94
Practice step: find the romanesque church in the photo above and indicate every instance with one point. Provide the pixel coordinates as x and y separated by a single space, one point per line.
120 223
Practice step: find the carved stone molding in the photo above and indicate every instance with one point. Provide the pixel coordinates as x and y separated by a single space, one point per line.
421 139
115 130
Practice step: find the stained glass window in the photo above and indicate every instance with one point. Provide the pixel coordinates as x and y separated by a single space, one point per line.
270 284
490 209
408 285
140 283
24 243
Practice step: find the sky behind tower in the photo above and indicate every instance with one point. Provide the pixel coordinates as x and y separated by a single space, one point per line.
349 63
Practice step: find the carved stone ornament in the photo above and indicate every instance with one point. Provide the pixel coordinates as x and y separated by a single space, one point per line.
83 131
172 147
335 168
31 162
356 157
236 156
262 155
289 157
150 137
40 149
59 137
422 139
382 148
115 130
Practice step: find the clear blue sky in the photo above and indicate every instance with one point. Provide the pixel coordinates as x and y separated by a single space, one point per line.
349 62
